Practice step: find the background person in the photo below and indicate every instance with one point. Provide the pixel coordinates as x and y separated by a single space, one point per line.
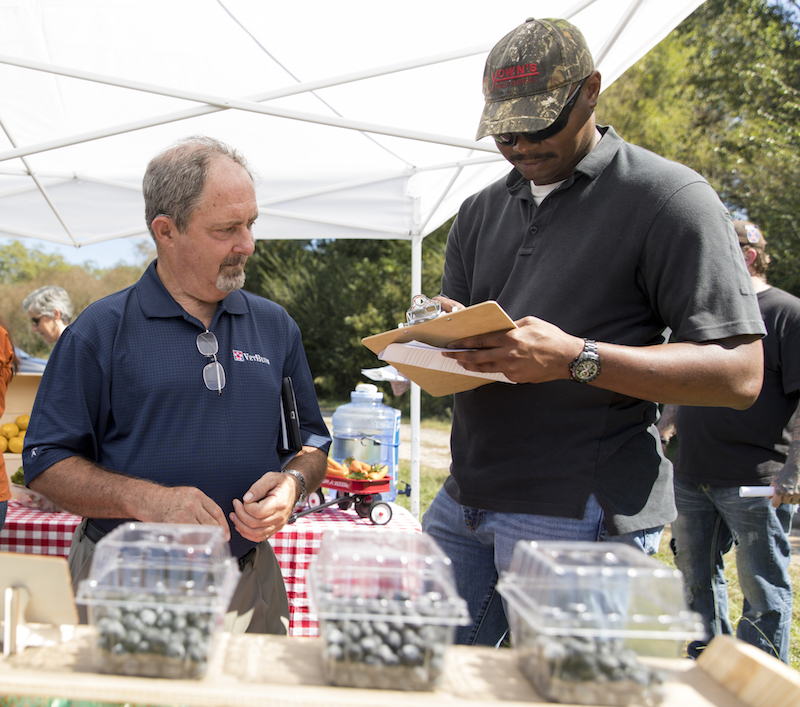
8 367
594 247
161 402
50 310
721 449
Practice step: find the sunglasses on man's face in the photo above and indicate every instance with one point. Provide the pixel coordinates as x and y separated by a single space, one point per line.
510 139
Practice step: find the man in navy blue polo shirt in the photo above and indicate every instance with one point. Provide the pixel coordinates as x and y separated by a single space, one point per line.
161 403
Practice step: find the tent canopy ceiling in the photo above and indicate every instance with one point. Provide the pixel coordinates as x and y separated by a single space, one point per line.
358 117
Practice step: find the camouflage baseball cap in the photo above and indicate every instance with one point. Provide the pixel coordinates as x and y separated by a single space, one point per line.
528 75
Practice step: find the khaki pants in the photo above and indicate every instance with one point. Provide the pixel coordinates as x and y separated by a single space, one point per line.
259 604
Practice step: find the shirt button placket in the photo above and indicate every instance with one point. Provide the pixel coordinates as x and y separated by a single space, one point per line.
527 247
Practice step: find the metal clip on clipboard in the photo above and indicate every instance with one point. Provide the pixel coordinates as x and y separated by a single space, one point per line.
422 309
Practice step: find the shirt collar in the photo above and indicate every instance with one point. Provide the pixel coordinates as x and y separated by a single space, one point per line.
156 301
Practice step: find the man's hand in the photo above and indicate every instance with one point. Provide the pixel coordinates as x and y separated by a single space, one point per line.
787 486
182 504
268 504
787 481
266 507
535 352
448 305
667 425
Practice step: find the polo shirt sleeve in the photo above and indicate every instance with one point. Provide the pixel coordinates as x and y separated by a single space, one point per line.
693 271
71 402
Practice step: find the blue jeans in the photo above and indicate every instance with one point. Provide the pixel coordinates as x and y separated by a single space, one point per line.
710 520
3 509
480 544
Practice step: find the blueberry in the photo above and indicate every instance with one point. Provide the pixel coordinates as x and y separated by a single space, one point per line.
179 622
387 655
131 640
393 639
335 637
410 654
369 644
175 649
148 617
197 653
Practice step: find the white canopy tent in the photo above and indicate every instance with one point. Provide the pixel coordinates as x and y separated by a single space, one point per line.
359 117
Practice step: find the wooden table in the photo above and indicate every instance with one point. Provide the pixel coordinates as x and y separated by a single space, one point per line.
254 671
38 532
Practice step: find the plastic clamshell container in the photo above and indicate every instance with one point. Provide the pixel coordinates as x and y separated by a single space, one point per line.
157 594
387 608
582 614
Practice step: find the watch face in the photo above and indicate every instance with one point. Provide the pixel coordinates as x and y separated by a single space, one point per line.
585 370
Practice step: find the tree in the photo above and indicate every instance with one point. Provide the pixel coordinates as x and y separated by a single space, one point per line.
339 291
24 271
722 95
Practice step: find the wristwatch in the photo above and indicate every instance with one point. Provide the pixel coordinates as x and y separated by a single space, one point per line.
586 367
301 499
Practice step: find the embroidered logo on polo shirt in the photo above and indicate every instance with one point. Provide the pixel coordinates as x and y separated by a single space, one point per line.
243 356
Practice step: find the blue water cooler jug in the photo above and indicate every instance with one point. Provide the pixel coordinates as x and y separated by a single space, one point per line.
369 431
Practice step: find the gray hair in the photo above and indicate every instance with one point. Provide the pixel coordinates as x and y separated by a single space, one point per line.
46 300
174 179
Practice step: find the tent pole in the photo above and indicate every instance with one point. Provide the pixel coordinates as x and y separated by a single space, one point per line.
416 398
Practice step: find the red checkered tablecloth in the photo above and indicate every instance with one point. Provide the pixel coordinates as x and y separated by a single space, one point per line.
43 533
37 532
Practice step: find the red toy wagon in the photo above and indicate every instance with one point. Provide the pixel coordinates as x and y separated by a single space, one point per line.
364 493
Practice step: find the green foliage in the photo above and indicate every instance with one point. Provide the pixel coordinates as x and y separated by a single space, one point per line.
24 271
340 291
722 95
18 264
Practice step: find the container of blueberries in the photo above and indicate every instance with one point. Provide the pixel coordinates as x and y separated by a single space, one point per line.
583 614
387 608
157 595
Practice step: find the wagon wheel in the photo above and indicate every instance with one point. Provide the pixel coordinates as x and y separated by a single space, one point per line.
380 513
316 499
346 503
363 504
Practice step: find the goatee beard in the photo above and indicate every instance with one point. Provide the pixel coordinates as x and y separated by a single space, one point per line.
230 282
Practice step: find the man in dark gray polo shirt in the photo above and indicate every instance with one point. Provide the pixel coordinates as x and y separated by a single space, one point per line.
594 247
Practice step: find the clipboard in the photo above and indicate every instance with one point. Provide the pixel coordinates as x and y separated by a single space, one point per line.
291 440
484 318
